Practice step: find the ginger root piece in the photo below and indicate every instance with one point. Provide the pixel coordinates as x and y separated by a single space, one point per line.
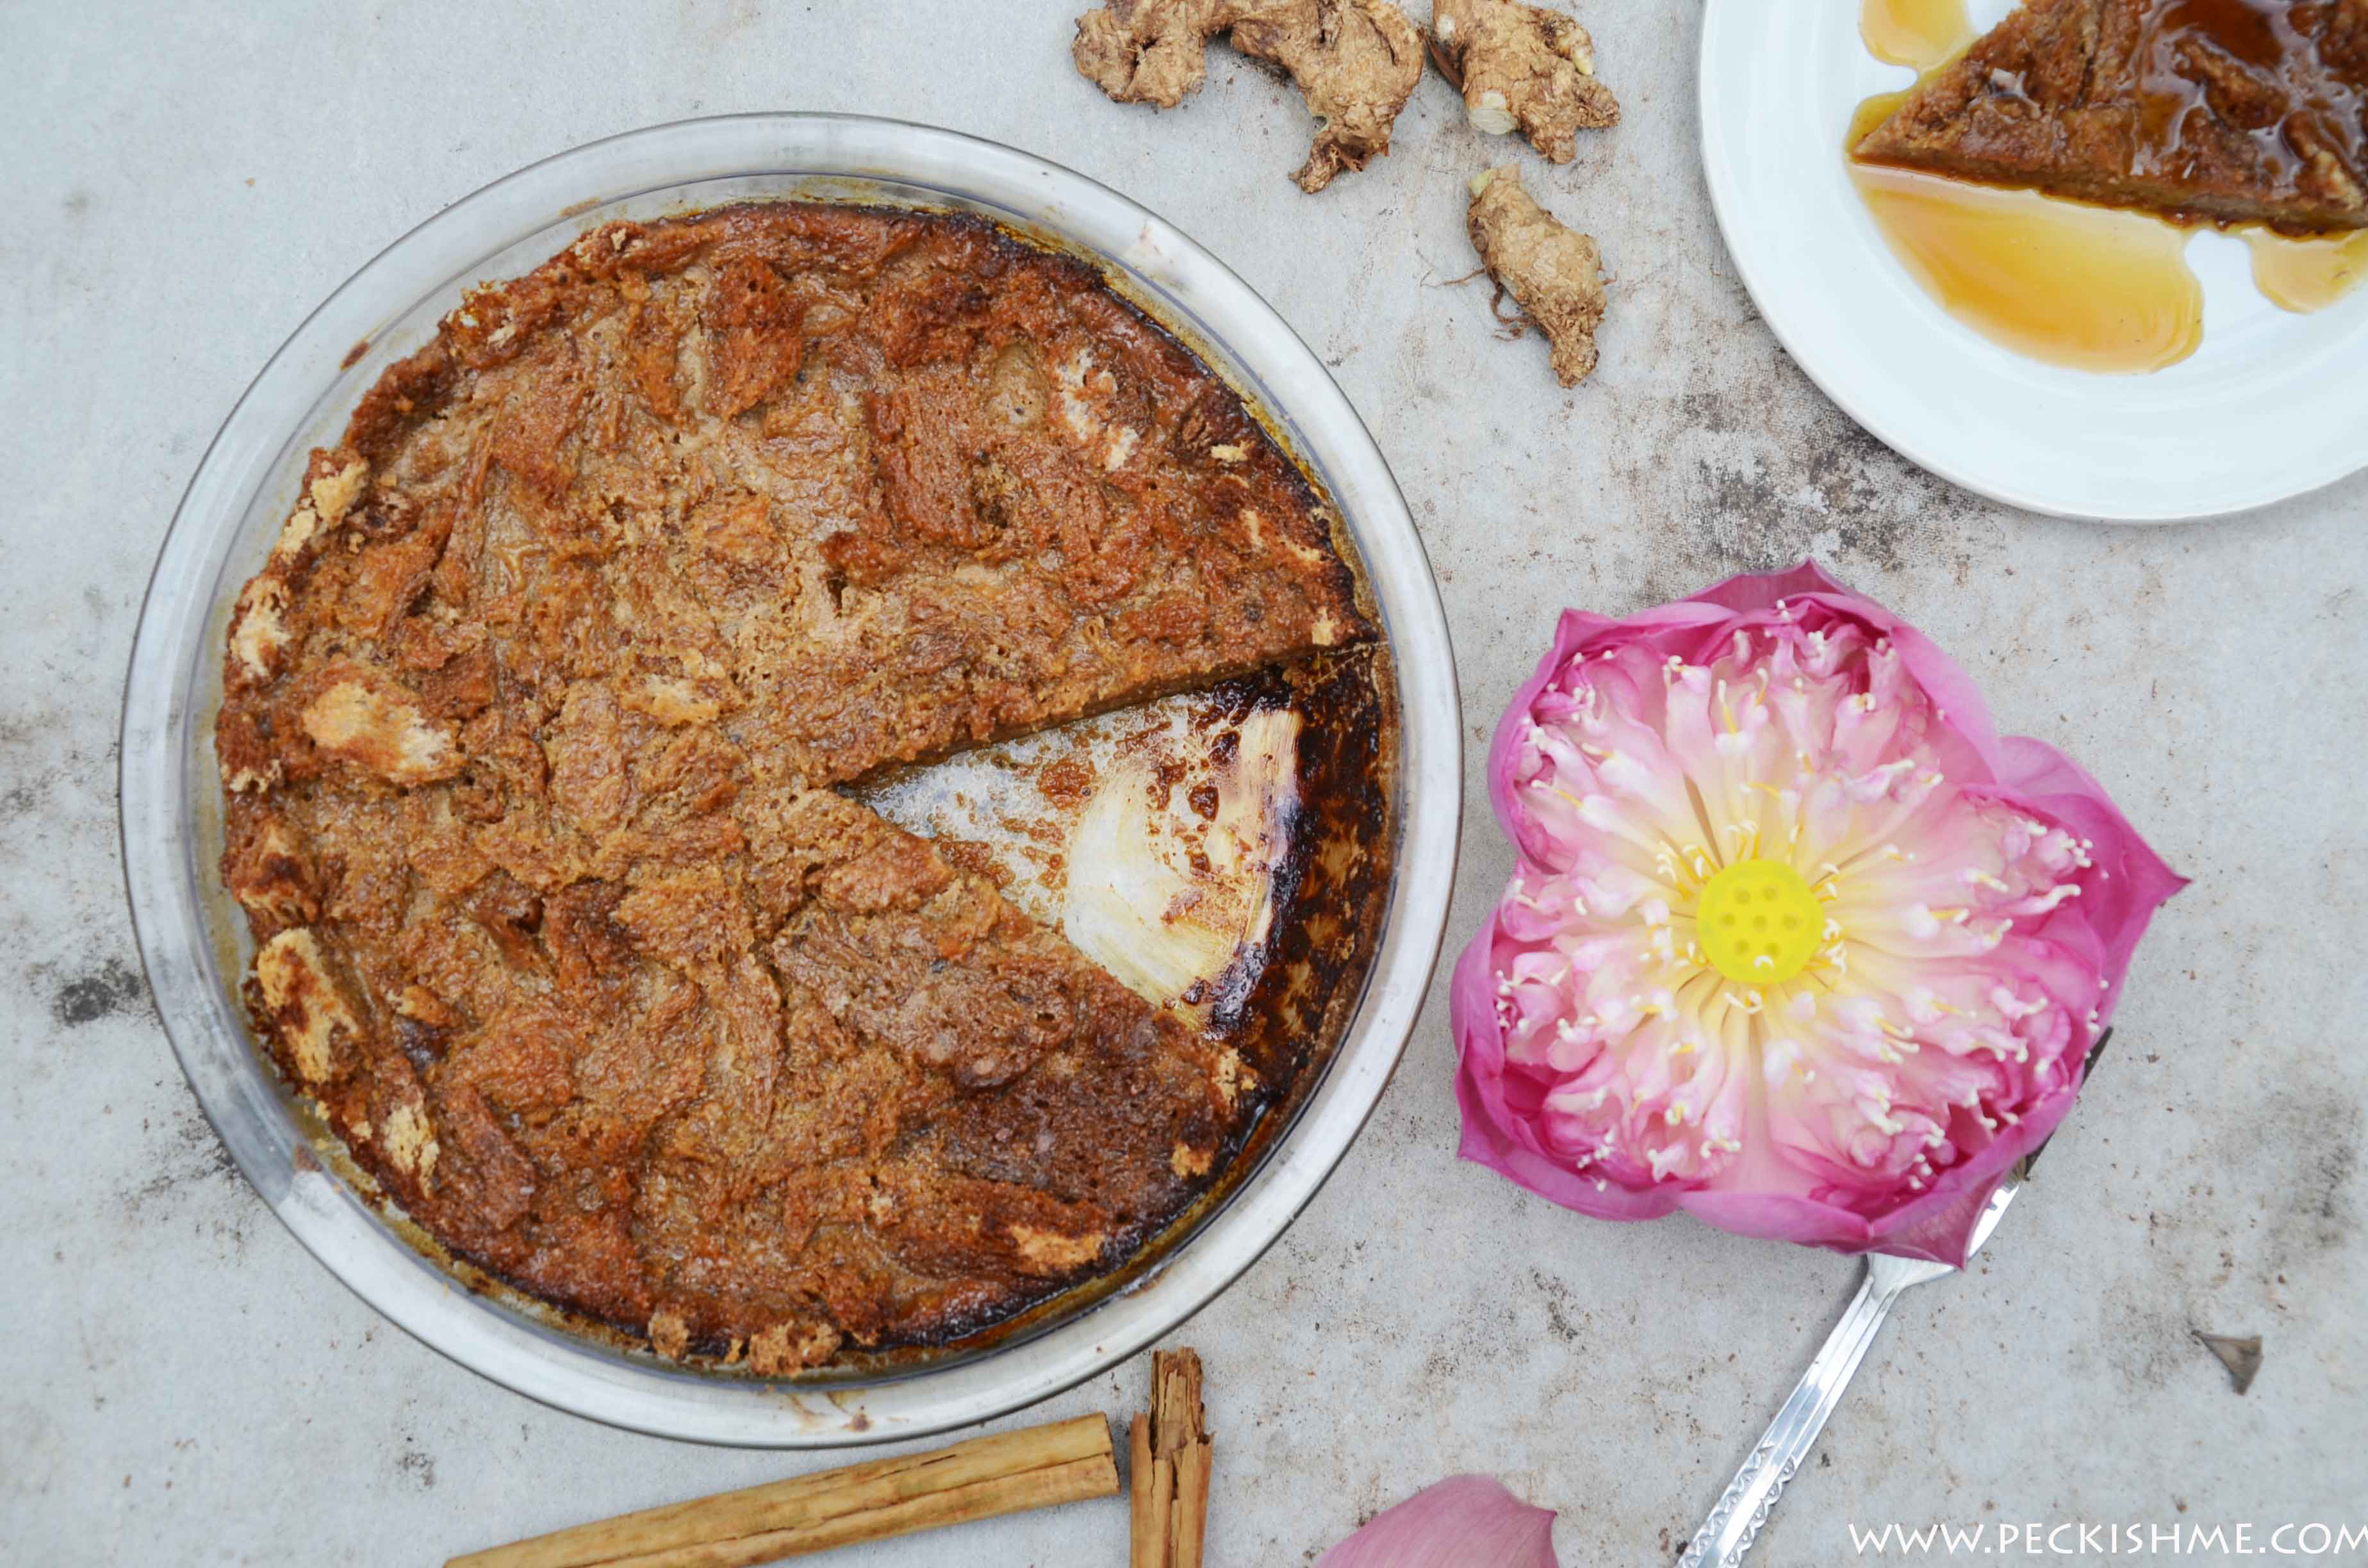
1554 274
1357 62
1149 51
1522 66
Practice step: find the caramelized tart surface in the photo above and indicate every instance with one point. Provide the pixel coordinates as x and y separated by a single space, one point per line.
532 729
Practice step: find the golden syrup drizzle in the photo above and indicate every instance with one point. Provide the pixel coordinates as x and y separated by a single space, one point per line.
2304 275
1919 33
2087 288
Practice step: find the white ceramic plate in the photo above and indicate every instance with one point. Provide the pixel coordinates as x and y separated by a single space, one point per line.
2271 405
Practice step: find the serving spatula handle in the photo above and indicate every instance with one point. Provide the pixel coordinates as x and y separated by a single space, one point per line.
1735 1522
1727 1534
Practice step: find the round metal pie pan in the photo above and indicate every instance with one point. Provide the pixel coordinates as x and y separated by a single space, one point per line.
191 936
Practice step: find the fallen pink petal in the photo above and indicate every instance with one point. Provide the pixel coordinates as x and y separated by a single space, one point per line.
1795 941
1465 1521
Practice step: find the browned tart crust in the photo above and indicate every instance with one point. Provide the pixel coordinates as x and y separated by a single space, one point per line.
2225 110
527 735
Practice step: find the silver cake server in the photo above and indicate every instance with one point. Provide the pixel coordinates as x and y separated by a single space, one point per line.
1735 1521
1749 1499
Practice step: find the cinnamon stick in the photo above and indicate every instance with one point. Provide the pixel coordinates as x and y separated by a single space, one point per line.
1168 1455
1064 1462
1147 1521
1189 1524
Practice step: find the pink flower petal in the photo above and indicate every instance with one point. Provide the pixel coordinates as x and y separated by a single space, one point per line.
1465 1521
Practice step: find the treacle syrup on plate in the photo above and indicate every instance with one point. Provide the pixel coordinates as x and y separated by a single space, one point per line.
1918 33
2307 275
2090 288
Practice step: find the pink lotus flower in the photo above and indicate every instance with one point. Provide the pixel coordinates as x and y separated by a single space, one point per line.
1795 941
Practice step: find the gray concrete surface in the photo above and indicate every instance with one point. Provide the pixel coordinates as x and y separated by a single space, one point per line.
184 1384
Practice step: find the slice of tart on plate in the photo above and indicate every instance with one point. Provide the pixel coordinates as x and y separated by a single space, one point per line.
2227 111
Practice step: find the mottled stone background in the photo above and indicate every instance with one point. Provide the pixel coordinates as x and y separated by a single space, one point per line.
184 1384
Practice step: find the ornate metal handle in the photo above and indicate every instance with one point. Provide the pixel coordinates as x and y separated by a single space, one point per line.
1727 1534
